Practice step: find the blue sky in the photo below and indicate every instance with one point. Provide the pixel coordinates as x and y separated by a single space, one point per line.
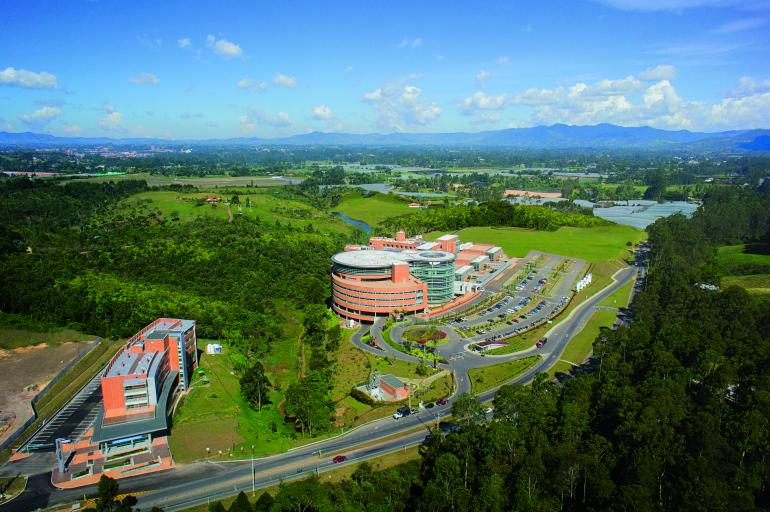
200 69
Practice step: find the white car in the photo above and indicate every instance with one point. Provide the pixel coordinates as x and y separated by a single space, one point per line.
397 415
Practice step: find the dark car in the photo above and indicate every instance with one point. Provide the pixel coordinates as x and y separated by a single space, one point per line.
442 401
339 458
430 405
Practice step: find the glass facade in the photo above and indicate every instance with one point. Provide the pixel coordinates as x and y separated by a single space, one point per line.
438 275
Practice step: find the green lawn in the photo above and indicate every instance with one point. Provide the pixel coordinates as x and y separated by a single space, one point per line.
263 205
374 209
488 377
580 347
620 297
757 284
731 257
596 244
213 414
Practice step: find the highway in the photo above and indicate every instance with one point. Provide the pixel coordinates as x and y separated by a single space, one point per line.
198 482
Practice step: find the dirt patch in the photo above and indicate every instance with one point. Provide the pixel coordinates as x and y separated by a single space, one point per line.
25 372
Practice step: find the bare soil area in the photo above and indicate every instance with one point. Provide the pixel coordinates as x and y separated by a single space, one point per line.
23 373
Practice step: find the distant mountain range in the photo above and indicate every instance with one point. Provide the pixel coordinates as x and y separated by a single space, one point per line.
557 136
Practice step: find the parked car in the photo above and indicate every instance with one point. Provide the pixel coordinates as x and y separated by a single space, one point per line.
442 401
430 405
339 458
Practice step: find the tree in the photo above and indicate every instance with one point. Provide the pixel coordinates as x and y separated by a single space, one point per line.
107 499
264 503
255 385
467 409
217 507
241 504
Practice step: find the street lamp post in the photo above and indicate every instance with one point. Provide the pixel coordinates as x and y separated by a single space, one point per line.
253 475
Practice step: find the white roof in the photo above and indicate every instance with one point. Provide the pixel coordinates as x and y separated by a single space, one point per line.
480 259
464 269
448 237
383 259
368 259
427 246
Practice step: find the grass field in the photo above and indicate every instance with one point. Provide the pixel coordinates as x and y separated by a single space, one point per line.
215 416
730 257
596 244
580 347
747 266
374 209
620 297
263 205
488 377
756 284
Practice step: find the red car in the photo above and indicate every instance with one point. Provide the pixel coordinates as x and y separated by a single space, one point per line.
339 458
442 401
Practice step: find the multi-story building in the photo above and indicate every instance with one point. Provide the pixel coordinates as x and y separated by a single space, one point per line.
405 275
137 388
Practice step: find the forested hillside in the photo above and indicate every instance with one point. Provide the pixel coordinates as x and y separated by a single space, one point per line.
675 414
70 258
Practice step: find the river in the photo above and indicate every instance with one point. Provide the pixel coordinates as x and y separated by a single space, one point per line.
356 223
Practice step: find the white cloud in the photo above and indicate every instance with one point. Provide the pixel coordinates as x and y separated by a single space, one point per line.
483 101
107 107
410 42
184 42
350 68
502 60
659 72
223 47
439 57
72 129
40 116
144 78
632 102
28 79
251 85
113 121
748 86
399 105
740 25
483 108
527 29
255 117
282 80
322 113
482 76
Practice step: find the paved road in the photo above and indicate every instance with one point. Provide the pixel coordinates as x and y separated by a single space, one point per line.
197 482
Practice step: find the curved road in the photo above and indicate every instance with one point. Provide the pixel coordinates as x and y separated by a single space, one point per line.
201 481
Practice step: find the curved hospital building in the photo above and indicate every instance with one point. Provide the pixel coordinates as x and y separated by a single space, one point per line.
401 275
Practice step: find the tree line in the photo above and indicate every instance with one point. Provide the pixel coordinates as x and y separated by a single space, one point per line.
493 213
